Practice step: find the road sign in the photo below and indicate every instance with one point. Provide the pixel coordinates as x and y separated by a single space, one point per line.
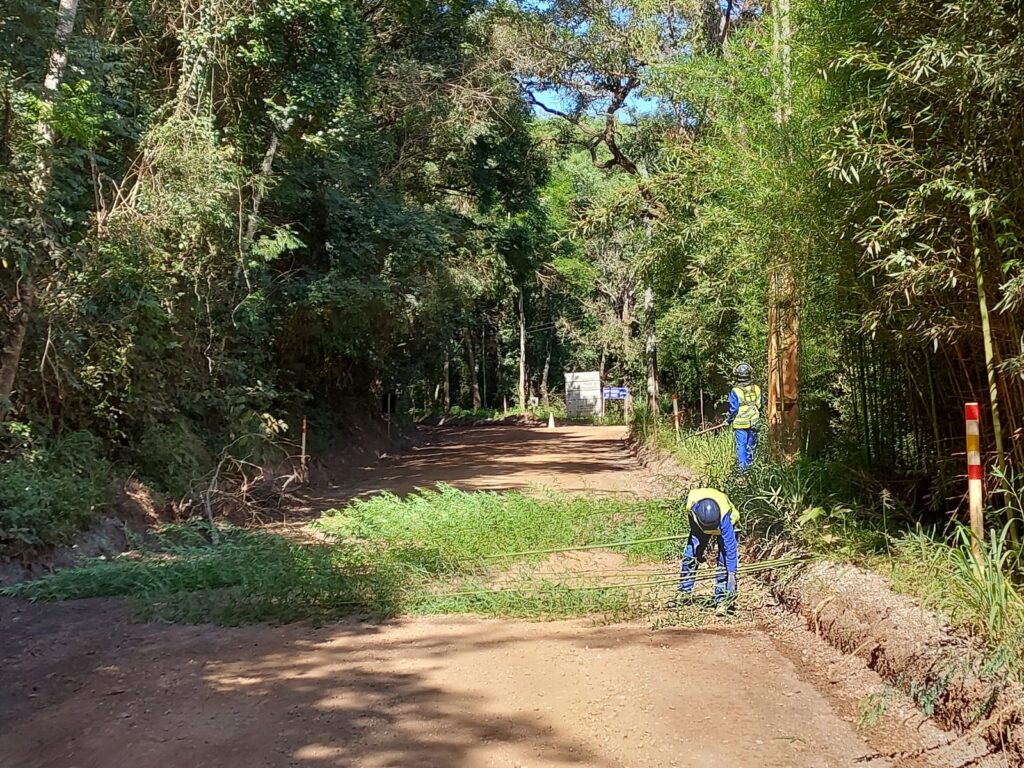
616 393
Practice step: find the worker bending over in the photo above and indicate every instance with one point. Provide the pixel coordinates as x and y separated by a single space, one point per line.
712 516
746 401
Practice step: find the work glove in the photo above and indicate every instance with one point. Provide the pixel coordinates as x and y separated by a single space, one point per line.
730 584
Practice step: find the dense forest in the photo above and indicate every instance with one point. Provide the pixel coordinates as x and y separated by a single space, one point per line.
217 216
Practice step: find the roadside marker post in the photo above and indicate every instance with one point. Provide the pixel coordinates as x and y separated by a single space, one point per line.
551 420
975 487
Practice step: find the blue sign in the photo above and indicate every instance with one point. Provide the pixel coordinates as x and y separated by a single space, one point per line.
616 393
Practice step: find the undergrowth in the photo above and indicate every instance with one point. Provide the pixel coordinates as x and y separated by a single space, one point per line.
428 553
823 508
48 492
458 528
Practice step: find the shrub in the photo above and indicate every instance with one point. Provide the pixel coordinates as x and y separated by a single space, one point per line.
49 493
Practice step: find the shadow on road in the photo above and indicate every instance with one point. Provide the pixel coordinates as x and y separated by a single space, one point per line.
107 692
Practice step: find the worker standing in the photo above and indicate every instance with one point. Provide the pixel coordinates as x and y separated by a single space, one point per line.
711 516
746 401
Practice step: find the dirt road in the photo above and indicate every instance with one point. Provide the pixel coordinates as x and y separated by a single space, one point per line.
592 460
84 687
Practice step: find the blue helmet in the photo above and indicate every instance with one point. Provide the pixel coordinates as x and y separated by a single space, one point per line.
708 514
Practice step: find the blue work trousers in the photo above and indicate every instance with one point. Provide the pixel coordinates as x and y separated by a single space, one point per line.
694 554
746 444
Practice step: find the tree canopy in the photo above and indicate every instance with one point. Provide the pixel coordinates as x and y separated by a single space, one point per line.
218 215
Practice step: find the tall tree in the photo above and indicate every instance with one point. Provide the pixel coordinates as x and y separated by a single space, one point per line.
19 313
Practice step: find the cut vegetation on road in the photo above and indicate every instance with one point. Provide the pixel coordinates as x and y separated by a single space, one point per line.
431 551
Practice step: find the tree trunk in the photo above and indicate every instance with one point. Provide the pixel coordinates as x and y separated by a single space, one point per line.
544 375
447 380
522 348
790 368
774 377
783 82
483 360
14 339
783 303
498 385
20 314
627 329
990 360
784 360
474 384
651 352
253 222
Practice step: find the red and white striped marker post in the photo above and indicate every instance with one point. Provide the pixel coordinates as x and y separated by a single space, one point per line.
975 489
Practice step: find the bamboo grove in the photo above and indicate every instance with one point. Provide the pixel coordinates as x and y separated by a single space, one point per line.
216 215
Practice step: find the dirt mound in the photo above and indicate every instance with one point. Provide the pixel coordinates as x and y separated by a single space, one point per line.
132 508
106 537
912 649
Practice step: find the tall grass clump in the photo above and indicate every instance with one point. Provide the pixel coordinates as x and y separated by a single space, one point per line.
711 456
460 530
433 551
976 594
247 576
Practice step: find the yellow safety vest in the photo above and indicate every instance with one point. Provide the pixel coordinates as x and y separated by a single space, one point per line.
724 505
749 414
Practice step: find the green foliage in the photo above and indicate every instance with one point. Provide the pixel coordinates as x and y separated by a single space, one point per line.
459 529
426 553
248 576
874 706
49 493
978 596
261 208
828 510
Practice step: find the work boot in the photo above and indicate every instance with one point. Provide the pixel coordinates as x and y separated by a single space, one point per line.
726 607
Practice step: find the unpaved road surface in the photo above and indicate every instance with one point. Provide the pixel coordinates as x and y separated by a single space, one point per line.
81 686
579 460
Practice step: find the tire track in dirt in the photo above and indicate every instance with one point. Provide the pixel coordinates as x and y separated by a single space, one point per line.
83 686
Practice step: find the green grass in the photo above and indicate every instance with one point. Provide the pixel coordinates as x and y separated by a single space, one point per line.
427 553
711 456
454 529
247 576
48 493
874 706
820 508
977 596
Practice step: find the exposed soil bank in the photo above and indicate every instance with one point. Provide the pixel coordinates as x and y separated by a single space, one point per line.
132 507
909 647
